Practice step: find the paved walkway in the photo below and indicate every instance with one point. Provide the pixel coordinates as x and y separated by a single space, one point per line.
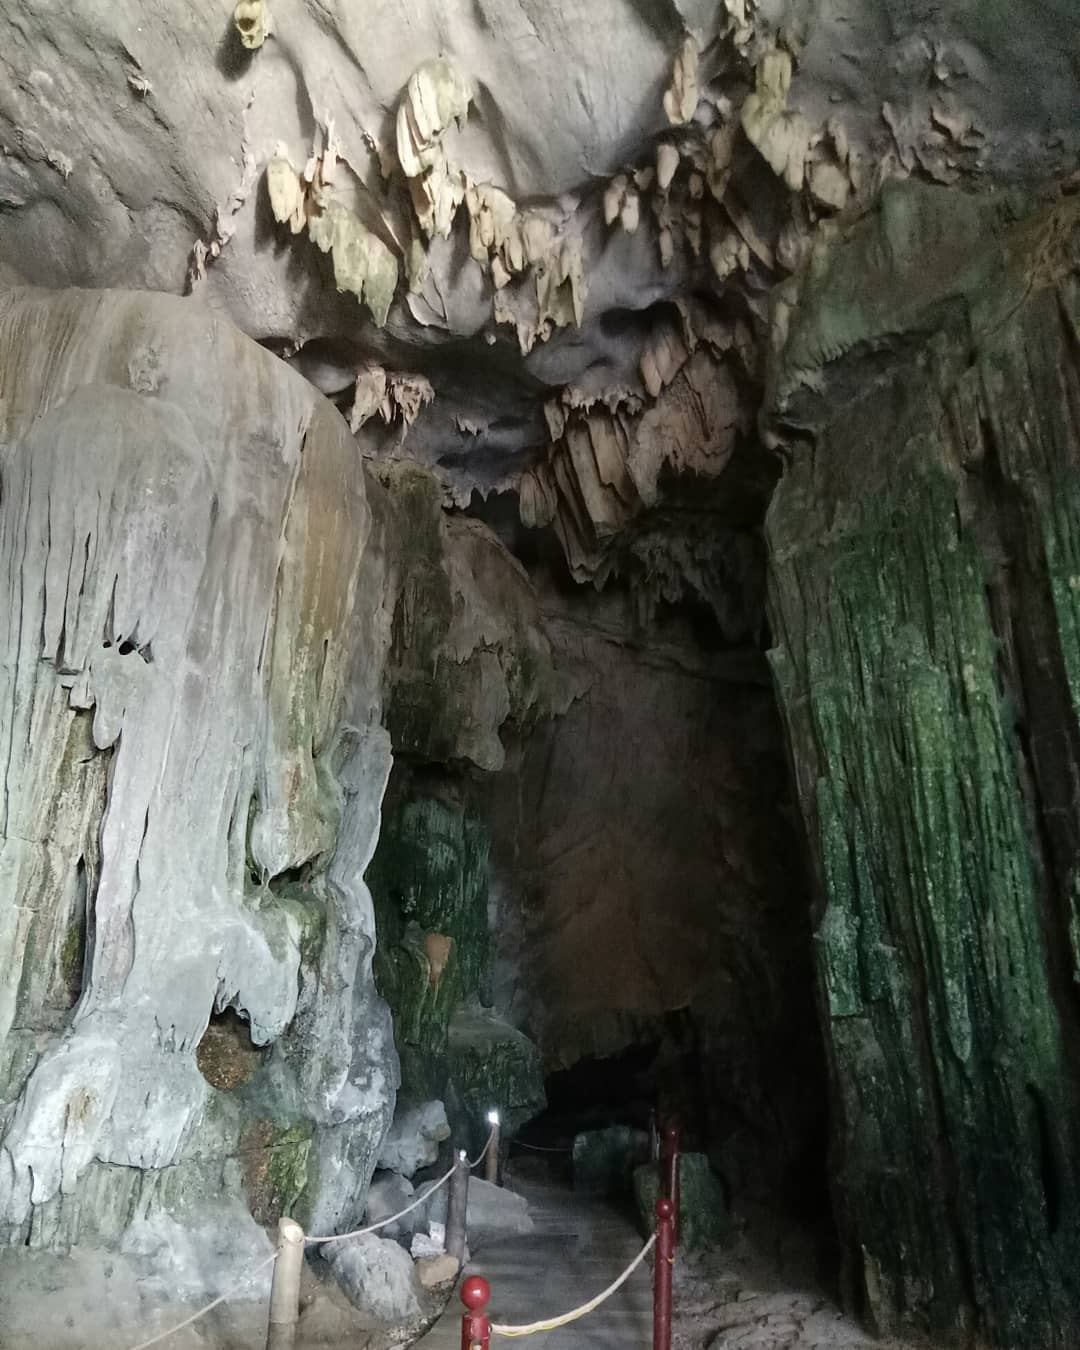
579 1247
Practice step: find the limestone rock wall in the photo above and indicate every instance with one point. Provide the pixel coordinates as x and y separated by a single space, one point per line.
192 767
923 575
468 671
650 885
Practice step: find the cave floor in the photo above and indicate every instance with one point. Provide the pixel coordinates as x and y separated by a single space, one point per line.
758 1293
578 1247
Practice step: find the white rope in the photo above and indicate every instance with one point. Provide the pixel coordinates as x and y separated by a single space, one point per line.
483 1152
552 1323
164 1335
421 1199
314 1241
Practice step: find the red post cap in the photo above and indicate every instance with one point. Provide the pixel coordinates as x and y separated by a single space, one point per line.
475 1293
664 1210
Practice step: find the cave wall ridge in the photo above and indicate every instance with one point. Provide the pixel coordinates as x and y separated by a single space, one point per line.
923 582
192 766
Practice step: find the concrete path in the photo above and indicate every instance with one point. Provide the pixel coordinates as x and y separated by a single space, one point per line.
579 1247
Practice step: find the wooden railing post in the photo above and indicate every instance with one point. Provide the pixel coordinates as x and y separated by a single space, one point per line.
491 1170
457 1209
285 1287
665 1258
475 1324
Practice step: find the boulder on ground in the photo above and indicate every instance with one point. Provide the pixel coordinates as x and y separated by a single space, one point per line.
389 1194
604 1160
431 1242
493 1212
414 1138
703 1210
434 1271
377 1275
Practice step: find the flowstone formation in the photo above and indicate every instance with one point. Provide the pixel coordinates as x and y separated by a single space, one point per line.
923 581
189 710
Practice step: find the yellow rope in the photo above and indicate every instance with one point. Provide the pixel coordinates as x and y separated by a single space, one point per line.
553 1323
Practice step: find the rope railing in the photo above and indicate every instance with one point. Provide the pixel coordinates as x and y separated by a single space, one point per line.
316 1241
553 1323
422 1199
209 1308
477 1328
474 1163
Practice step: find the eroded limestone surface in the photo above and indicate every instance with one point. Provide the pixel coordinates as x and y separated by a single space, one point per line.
192 769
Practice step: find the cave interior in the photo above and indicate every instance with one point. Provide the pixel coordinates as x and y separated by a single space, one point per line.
541 563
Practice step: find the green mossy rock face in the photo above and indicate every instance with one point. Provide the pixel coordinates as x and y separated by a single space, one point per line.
604 1160
703 1210
428 880
429 884
491 1066
276 1160
923 576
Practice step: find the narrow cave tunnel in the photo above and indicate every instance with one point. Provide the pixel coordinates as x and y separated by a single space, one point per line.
631 889
540 571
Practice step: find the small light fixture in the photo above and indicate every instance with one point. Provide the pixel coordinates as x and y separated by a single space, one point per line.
463 1155
493 1117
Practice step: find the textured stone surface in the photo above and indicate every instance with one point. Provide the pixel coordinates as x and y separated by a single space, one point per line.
491 1065
187 705
650 890
604 1160
378 1276
548 258
561 224
435 1271
390 1193
703 1208
467 653
922 584
414 1138
493 1213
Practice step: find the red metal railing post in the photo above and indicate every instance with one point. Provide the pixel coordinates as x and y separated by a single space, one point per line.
665 1258
475 1324
669 1172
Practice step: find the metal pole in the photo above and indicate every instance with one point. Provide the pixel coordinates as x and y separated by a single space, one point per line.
491 1162
670 1172
457 1209
665 1259
475 1324
285 1287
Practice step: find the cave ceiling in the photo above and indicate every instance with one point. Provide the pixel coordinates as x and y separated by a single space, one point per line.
528 243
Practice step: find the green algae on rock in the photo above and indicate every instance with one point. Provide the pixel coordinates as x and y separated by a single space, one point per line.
923 720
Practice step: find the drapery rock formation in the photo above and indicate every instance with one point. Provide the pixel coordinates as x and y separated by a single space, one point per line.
189 714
